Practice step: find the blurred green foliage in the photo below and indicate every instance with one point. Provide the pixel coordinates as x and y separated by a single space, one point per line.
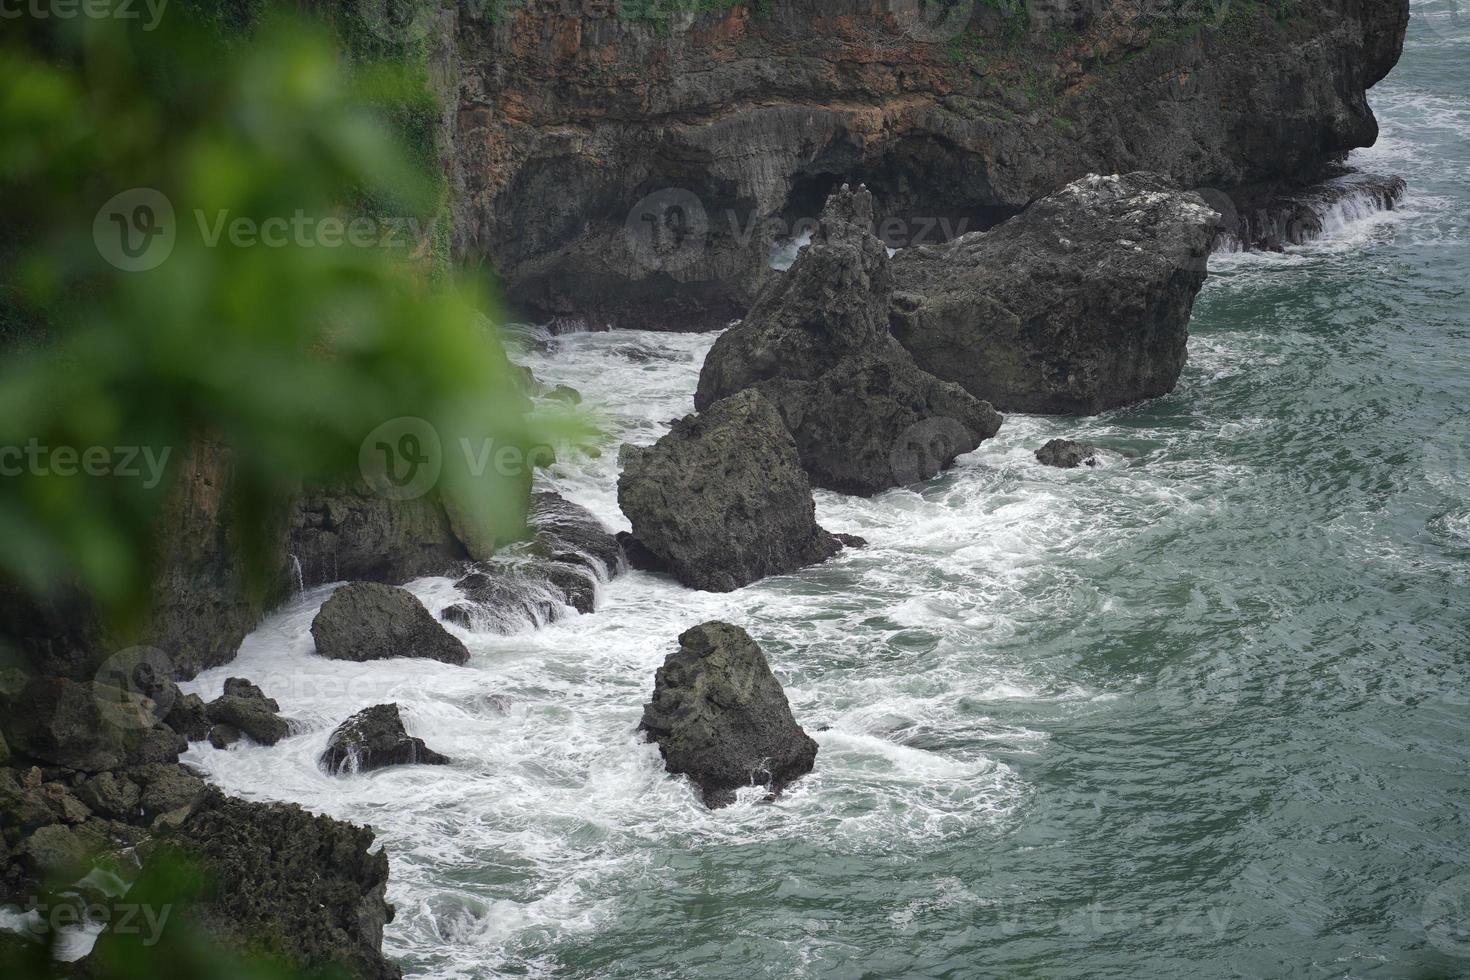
288 355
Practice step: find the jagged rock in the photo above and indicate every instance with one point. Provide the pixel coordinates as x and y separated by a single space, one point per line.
351 533
112 795
244 707
55 852
88 727
188 717
564 393
368 621
640 557
1274 220
1079 304
816 343
223 736
1066 454
305 887
22 808
851 540
721 499
720 717
374 738
167 789
568 532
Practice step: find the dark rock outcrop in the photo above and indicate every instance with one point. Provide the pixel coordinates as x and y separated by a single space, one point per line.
1270 219
816 343
349 533
87 727
720 717
1079 304
374 738
721 499
304 887
243 708
645 187
1066 454
533 582
369 621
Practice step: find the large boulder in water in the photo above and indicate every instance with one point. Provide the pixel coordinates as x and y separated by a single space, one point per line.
816 343
369 621
1079 304
721 499
720 717
244 708
374 738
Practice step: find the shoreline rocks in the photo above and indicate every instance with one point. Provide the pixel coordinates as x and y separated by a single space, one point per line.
375 738
1077 305
721 499
243 709
719 716
368 621
816 343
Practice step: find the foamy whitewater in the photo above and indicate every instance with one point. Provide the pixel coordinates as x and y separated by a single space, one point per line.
1200 711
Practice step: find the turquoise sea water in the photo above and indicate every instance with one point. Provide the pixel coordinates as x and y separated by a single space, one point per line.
1203 711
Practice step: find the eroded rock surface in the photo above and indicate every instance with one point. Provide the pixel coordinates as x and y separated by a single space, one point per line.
374 738
721 499
720 717
369 621
1079 304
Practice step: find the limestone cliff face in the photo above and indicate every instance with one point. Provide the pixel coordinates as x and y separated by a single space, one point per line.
636 171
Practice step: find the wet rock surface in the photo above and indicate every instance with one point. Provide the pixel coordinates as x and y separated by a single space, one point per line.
373 739
1067 454
369 621
1079 304
817 345
721 499
720 717
244 709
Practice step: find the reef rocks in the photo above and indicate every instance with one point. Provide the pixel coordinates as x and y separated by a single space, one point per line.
720 717
1079 304
532 583
1272 221
721 499
244 709
816 344
304 887
369 621
1066 454
374 738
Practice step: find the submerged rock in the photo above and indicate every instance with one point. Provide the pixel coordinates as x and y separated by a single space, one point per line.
1274 220
568 555
721 499
720 717
1079 304
816 343
1066 454
374 738
368 621
244 708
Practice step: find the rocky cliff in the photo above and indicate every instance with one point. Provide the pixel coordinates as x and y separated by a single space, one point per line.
629 168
